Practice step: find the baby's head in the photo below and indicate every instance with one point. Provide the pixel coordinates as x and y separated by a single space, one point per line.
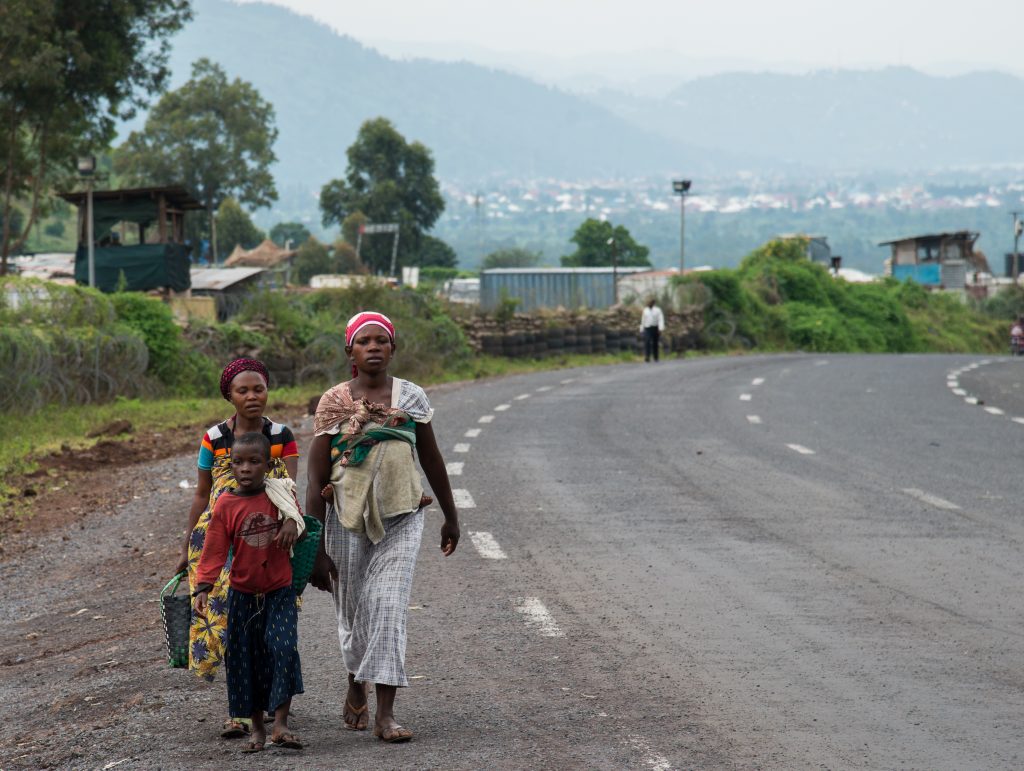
250 460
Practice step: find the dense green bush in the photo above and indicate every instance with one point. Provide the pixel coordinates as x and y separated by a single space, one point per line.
778 300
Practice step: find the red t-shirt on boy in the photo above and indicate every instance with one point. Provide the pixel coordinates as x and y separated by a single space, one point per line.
248 523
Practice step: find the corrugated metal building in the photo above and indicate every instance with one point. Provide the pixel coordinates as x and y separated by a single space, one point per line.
551 287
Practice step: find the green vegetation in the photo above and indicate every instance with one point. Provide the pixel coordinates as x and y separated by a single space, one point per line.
68 72
778 300
388 180
212 135
513 257
599 243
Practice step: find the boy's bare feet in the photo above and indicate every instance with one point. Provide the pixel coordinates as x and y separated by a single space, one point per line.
356 714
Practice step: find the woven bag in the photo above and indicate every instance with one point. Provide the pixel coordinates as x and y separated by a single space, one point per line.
176 611
304 553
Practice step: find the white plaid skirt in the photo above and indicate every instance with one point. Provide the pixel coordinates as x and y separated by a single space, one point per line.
371 597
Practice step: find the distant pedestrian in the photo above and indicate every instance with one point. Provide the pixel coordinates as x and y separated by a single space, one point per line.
258 524
652 324
368 433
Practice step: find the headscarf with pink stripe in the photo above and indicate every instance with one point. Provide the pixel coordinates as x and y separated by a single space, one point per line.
365 319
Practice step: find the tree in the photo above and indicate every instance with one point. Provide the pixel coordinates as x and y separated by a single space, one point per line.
283 232
311 260
68 72
513 257
598 243
213 136
387 180
346 259
436 253
236 228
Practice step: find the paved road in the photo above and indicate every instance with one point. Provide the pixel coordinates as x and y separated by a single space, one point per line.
756 562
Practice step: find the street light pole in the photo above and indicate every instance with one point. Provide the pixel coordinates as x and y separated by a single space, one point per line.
615 270
86 169
681 187
1017 227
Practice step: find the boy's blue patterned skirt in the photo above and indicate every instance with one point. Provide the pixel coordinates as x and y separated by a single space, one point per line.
262 653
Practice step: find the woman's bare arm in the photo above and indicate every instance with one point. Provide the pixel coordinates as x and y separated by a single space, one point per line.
437 476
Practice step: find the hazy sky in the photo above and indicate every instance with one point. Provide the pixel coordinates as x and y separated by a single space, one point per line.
930 34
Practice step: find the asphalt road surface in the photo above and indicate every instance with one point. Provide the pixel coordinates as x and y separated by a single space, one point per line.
755 562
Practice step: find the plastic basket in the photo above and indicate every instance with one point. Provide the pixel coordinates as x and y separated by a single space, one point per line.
176 612
304 553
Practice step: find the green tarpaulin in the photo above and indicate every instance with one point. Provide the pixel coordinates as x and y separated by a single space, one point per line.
145 267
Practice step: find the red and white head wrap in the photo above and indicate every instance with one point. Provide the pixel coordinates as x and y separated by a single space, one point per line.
365 319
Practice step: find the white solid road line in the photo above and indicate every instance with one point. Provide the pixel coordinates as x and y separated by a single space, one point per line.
502 407
800 449
931 500
486 419
754 419
522 396
472 433
463 499
757 381
462 447
454 468
649 757
487 546
994 411
537 616
745 397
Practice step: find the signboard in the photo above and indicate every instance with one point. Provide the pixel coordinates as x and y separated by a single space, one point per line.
370 229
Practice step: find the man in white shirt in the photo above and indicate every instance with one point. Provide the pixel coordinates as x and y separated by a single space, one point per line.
652 324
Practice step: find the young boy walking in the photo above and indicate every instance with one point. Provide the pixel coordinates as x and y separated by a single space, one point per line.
262 656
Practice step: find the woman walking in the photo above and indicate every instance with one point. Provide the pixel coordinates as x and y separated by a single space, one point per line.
362 461
244 383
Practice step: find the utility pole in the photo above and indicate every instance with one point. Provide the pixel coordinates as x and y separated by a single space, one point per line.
681 187
1018 226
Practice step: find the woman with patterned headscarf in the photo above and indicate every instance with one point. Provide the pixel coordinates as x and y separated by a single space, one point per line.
370 431
244 383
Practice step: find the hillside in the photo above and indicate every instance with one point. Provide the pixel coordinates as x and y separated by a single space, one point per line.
893 119
480 123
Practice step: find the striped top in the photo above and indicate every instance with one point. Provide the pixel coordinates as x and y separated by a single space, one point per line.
217 442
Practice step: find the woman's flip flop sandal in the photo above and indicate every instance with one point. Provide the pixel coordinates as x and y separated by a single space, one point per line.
288 741
234 729
362 719
393 735
253 747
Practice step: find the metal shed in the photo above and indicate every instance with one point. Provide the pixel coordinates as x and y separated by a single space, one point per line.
551 287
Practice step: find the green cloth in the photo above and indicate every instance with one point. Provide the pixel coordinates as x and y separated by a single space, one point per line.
361 444
145 267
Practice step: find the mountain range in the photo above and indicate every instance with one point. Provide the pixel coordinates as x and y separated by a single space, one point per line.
485 124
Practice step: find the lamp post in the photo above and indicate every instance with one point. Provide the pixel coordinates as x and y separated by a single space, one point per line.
615 270
87 170
1018 226
681 187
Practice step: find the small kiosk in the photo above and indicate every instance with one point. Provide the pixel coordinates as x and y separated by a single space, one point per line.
139 234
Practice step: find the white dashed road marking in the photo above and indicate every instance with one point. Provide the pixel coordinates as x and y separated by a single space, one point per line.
522 396
745 397
486 419
568 380
959 392
1017 420
463 499
462 447
971 399
754 419
472 433
454 468
542 389
487 546
931 500
757 381
649 757
800 449
502 407
537 616
994 411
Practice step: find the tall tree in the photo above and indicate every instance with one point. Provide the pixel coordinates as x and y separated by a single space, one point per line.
212 135
388 180
599 243
236 228
283 232
69 70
